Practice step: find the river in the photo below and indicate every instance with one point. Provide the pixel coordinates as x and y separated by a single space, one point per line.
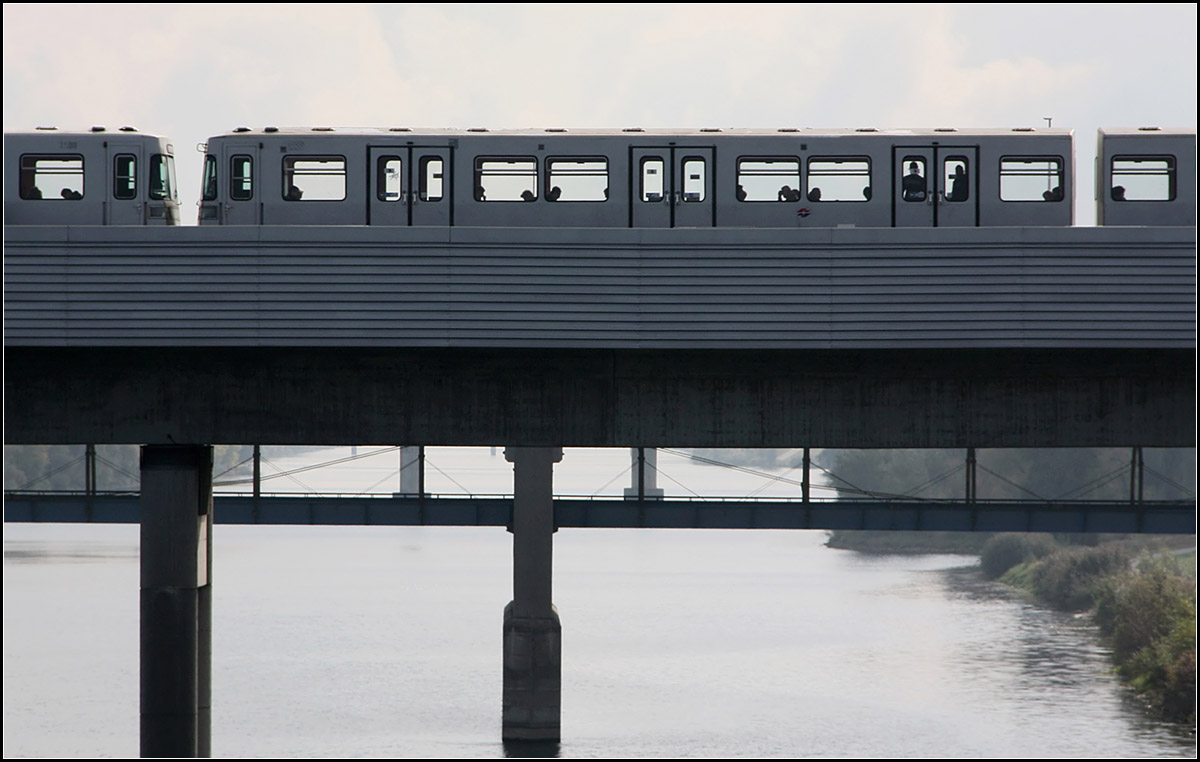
385 641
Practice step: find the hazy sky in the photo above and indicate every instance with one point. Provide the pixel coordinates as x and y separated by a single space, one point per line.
191 71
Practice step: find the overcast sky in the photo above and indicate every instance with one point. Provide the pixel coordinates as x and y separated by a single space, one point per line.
191 71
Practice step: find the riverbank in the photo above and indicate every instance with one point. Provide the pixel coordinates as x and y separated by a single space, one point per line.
1142 600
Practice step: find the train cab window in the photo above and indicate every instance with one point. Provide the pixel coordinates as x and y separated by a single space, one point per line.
314 178
57 177
1031 178
388 182
914 187
124 176
513 179
1143 178
430 180
769 179
577 179
693 179
241 178
162 177
839 179
956 179
652 184
208 191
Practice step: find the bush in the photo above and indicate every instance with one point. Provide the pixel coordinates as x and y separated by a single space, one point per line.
1150 616
1004 551
1070 579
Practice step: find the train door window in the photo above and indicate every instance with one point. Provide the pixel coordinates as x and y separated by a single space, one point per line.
241 178
57 177
577 179
768 179
693 179
513 179
915 186
162 177
124 176
430 182
389 183
956 179
208 191
839 179
314 178
653 188
1143 178
1031 178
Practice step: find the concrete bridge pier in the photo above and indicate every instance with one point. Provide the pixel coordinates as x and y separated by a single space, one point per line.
176 600
532 633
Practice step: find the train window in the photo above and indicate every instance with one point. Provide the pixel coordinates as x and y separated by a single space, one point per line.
431 186
388 183
209 189
914 187
124 176
241 178
1031 178
513 179
1143 178
57 177
839 179
956 179
653 186
314 178
768 179
577 179
162 177
693 179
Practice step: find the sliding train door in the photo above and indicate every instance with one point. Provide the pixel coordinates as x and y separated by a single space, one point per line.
410 186
673 187
935 186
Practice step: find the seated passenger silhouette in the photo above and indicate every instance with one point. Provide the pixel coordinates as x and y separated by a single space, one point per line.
741 193
554 193
294 193
71 195
480 195
1054 194
913 185
867 193
32 193
786 193
1118 193
814 194
527 195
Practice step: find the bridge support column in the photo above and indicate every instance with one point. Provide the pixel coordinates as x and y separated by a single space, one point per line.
532 632
176 602
644 475
412 471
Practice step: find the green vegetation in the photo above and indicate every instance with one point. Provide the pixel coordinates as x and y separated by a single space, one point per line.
1147 608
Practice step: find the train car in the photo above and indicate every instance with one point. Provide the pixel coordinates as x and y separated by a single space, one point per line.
640 178
1146 176
98 177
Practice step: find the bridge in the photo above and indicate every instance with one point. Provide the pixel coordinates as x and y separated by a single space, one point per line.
543 339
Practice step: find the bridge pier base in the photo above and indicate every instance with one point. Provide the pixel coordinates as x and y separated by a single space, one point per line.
176 602
532 632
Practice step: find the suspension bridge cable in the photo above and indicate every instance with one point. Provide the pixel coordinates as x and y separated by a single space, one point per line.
1009 481
47 475
610 481
428 462
1186 492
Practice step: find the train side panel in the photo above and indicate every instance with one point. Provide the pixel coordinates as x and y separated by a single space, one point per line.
1146 176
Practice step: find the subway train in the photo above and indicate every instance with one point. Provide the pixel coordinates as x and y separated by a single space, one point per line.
635 178
97 177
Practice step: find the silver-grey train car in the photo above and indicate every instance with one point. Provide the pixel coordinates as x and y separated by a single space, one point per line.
99 177
640 178
1146 176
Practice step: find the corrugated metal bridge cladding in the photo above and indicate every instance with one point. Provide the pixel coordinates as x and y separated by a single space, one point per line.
852 288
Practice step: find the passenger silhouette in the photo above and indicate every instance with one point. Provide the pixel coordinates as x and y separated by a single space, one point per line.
554 193
814 194
958 185
913 186
1118 193
527 195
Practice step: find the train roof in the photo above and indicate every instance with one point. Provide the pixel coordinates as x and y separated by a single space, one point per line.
654 132
1148 131
94 133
